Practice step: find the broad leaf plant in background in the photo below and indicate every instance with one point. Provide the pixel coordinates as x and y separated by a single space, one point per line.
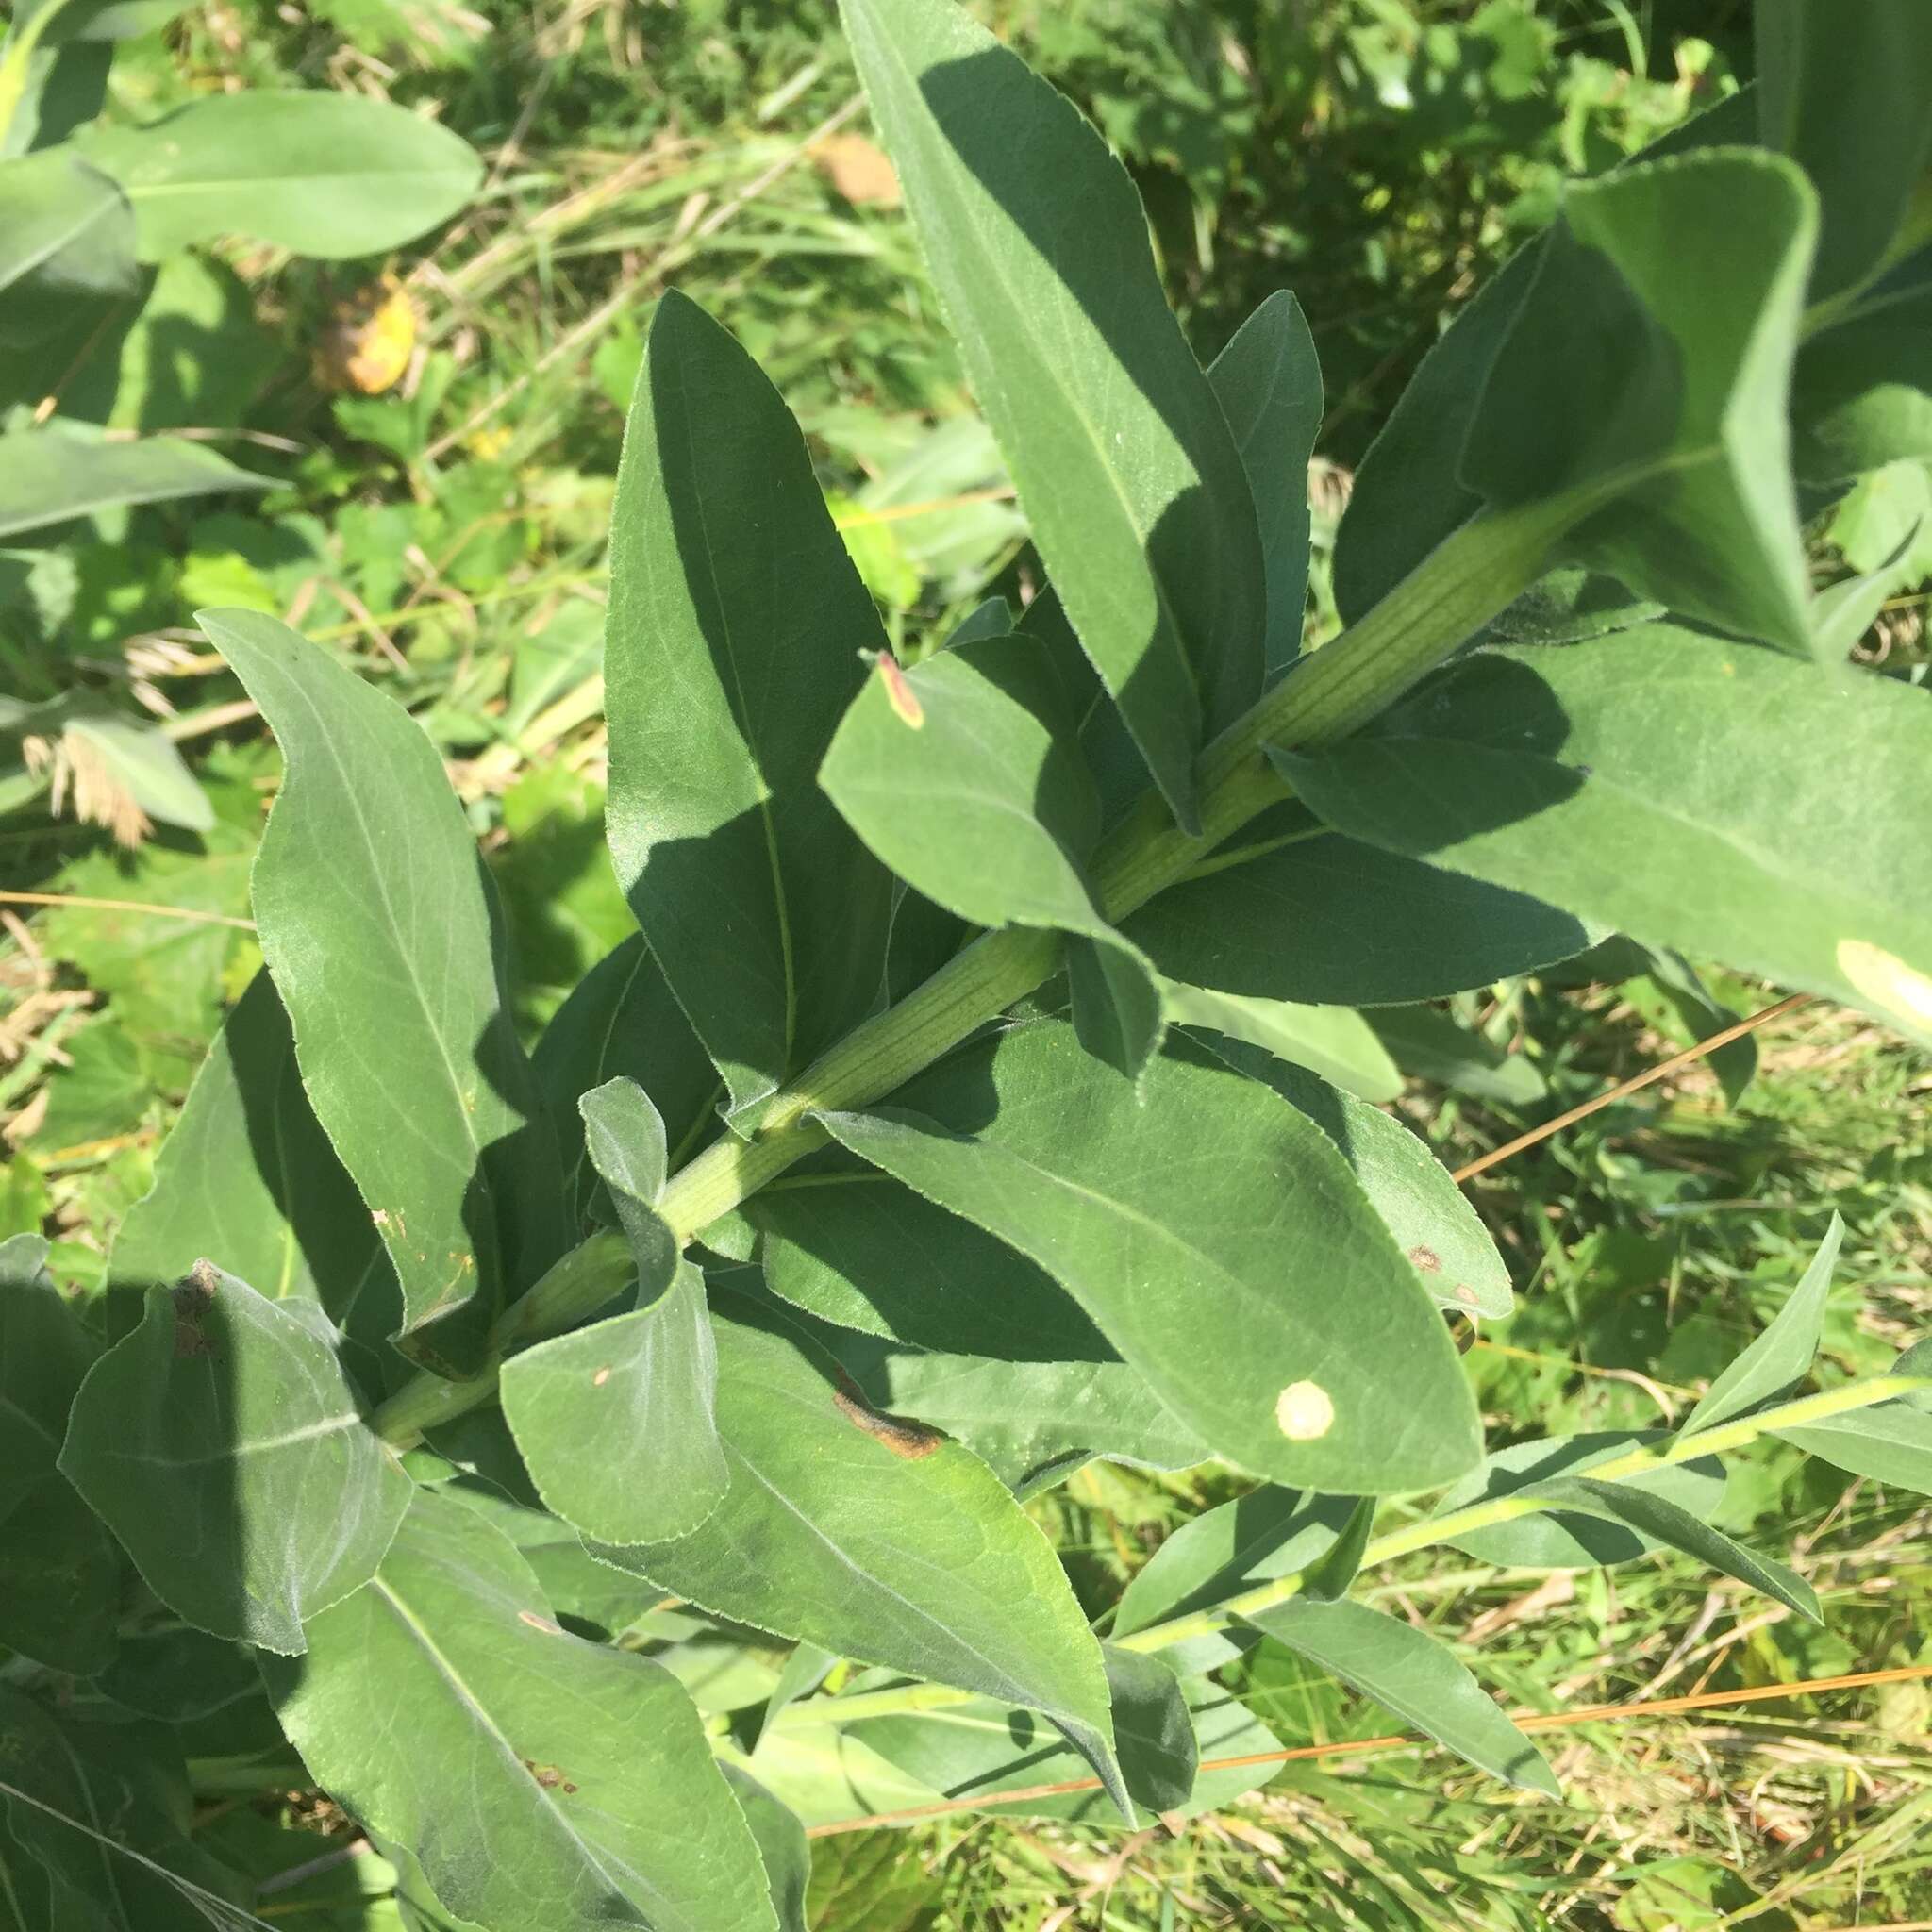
986 1089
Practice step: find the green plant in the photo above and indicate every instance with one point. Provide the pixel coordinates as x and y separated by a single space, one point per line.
436 1383
90 208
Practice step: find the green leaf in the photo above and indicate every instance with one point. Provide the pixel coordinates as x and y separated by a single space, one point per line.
44 1356
1544 770
1268 381
66 247
1780 1358
1655 1516
141 760
1662 394
1414 1674
730 653
57 471
977 1749
622 1020
878 1540
1032 1422
1861 394
1123 457
1267 1533
1216 1237
1889 1441
1425 1212
540 1779
1325 921
221 1444
329 175
1435 1045
805 1670
248 1174
61 1604
1331 1578
1334 1041
378 926
834 1239
963 776
1561 1541
1846 92
783 1846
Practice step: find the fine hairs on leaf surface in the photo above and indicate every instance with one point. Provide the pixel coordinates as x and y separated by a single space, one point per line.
597 1424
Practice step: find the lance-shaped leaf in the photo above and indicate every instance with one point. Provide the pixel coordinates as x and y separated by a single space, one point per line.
333 175
730 652
1123 459
1416 1675
1267 1533
1545 770
1268 382
1325 921
1846 92
1435 1046
221 1444
1780 1358
1655 1516
963 775
1335 1042
615 1421
1662 394
1432 1222
620 1019
541 1780
378 926
248 1174
1889 1441
59 470
67 254
1217 1238
1560 1542
877 1539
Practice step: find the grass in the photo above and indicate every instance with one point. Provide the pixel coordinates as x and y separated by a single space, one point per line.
447 536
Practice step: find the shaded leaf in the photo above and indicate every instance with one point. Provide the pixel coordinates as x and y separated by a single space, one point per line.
1335 1042
59 471
782 1845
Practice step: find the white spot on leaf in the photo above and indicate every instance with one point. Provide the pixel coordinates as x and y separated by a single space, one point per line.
1304 1411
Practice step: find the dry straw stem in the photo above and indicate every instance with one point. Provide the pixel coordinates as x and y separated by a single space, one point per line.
1407 1740
193 915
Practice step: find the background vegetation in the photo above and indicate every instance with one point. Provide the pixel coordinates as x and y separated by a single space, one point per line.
443 427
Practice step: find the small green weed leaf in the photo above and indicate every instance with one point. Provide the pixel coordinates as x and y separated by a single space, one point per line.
1780 1358
1417 1676
1123 459
248 1172
1428 1215
834 1240
622 1020
877 1539
1333 1042
1332 1577
59 470
221 1444
1560 1542
963 776
61 1605
1216 1237
1267 1533
783 1847
44 1356
1268 381
1435 1045
1622 377
1325 921
538 1778
1544 770
378 926
1861 394
1653 1514
730 652
1846 92
323 175
615 1421
1842 614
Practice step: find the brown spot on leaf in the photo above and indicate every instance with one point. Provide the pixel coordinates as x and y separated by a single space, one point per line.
537 1623
909 1439
1465 1294
899 693
1426 1259
548 1776
192 1296
602 1376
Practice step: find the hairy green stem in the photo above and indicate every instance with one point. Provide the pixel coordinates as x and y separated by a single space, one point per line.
1401 1542
1464 582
